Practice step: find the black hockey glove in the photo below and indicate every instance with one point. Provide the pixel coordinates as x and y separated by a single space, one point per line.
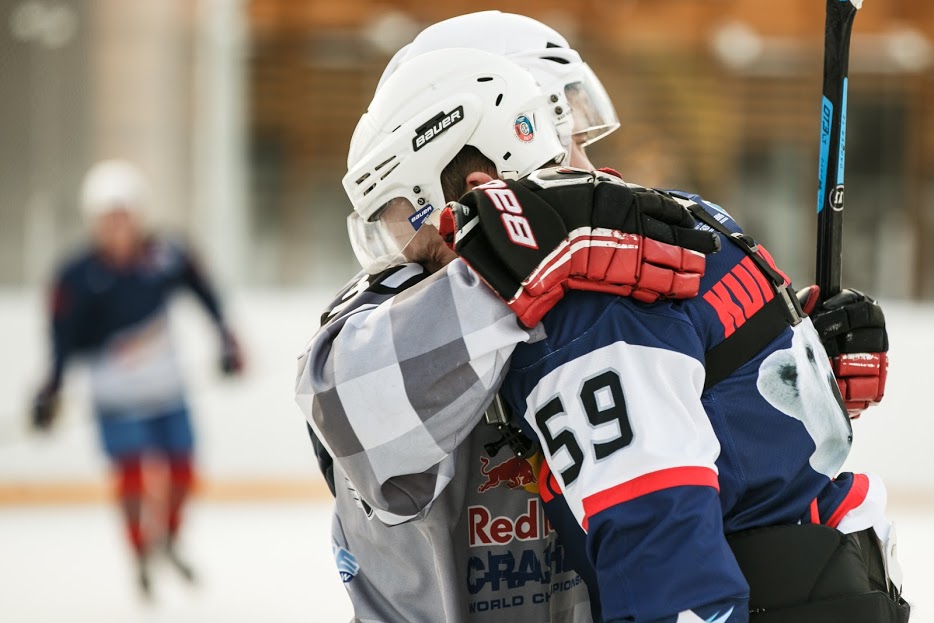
556 229
231 359
851 326
44 409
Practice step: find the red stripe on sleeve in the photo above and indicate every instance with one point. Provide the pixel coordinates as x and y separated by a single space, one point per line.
649 483
815 514
855 497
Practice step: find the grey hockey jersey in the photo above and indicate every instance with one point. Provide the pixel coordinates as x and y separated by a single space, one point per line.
428 526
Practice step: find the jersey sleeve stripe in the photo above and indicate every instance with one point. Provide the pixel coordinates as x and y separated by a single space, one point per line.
855 497
649 483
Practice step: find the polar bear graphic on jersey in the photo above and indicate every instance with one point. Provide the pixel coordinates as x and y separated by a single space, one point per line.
798 382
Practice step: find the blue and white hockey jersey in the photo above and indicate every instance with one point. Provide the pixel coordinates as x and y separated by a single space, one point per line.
116 317
651 470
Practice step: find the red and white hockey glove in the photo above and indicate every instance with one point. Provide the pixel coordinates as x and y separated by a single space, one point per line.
851 326
532 239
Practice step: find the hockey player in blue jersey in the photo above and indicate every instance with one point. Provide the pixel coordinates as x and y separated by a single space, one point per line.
109 306
794 380
666 427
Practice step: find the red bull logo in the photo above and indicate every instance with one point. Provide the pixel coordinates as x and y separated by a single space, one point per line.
487 529
513 472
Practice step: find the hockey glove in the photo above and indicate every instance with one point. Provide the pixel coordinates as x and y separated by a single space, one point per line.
231 359
44 409
851 326
534 238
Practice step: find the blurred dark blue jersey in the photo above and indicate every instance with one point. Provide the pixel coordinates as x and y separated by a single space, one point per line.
116 317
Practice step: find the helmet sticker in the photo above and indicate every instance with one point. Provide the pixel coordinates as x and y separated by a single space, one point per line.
419 218
524 129
435 126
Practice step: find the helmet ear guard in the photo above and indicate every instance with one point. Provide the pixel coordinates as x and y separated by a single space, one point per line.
426 112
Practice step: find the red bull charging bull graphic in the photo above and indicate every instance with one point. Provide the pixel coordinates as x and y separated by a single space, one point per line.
513 472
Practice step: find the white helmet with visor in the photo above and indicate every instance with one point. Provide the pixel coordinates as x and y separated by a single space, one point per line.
570 84
421 117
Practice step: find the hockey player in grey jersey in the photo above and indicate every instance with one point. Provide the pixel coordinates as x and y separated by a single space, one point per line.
438 530
429 526
414 537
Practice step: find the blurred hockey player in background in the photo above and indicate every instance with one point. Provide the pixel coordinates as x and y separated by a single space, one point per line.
109 305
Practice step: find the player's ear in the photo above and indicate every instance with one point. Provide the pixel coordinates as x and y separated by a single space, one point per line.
477 178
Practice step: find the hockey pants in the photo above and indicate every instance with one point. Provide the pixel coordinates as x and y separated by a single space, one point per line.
816 574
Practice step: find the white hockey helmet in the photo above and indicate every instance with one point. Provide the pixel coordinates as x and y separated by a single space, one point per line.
113 185
424 114
570 84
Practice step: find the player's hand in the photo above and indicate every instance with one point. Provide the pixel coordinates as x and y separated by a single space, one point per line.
556 229
231 359
851 326
44 409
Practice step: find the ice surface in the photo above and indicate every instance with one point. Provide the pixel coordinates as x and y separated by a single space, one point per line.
256 562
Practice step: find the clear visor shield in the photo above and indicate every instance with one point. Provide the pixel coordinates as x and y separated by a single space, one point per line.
392 235
593 112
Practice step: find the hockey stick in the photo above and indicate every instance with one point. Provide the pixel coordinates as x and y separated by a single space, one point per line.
839 25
